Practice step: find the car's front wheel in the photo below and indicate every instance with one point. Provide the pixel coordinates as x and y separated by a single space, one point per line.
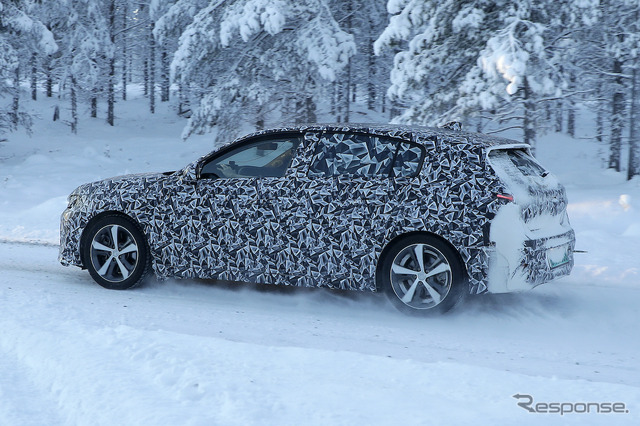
421 274
115 252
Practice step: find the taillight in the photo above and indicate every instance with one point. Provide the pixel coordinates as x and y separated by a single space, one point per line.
507 197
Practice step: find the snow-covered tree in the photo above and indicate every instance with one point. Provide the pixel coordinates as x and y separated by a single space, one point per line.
168 28
56 16
519 68
606 64
92 49
365 76
437 42
496 59
251 59
622 46
21 36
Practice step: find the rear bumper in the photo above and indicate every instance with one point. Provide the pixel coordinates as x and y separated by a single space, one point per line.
536 262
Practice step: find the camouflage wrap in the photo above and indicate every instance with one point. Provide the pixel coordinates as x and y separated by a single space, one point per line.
308 228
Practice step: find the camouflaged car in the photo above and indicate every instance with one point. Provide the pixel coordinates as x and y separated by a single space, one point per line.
425 215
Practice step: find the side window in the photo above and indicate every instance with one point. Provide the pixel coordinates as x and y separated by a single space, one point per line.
263 158
352 154
365 155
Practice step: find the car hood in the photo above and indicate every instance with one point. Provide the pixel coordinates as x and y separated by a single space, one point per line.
113 184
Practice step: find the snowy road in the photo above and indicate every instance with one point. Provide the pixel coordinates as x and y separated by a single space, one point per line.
196 352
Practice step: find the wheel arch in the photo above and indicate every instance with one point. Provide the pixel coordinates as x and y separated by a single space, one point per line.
99 216
400 237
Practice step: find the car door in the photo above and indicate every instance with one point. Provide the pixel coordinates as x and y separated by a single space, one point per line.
293 213
224 214
361 174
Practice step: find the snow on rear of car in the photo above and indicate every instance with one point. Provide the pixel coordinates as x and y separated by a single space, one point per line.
532 239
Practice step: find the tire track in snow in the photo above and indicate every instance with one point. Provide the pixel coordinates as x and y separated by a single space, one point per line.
561 330
9 241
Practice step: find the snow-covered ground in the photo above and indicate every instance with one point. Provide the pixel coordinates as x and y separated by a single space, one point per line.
199 352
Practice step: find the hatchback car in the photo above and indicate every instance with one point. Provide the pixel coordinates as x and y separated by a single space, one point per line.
425 215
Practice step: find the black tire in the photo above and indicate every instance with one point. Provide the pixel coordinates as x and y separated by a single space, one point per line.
433 286
115 266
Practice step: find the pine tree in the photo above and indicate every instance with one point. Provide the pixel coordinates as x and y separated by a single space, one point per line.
436 45
517 70
607 60
251 58
21 35
633 46
495 60
364 79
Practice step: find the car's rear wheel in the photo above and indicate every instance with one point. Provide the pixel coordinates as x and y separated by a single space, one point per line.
422 274
115 252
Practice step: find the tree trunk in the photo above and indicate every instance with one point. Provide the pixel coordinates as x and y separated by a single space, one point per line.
338 101
145 76
111 80
152 68
182 96
15 107
529 122
49 82
94 106
559 117
34 77
571 111
633 167
371 73
125 58
260 118
305 110
346 86
617 119
310 107
164 76
600 124
111 91
74 107
332 109
571 122
345 95
297 115
371 85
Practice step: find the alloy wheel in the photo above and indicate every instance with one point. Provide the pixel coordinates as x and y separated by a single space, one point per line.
114 253
420 276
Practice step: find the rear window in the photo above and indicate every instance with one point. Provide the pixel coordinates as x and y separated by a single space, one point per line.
524 162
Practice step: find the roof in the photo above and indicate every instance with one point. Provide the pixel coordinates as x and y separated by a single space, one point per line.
413 132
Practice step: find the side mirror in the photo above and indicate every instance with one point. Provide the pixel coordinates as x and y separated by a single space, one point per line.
189 173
